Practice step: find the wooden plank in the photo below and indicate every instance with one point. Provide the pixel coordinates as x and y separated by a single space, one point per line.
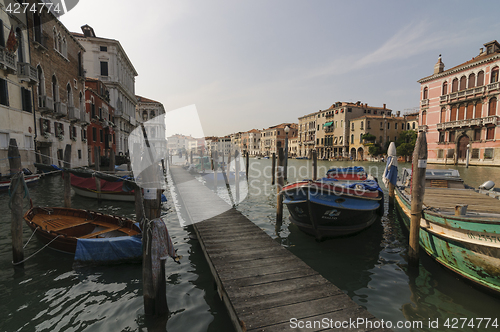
107 230
262 284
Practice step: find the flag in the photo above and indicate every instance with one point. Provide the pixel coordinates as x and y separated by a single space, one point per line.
12 42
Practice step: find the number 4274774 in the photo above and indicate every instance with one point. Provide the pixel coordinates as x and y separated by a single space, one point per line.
22 8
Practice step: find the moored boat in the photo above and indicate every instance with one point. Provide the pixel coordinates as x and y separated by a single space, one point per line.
329 207
110 190
356 173
459 228
91 236
29 179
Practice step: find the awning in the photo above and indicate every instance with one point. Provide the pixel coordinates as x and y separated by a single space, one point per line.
328 124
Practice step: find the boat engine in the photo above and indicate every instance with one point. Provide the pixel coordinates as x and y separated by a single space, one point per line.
487 185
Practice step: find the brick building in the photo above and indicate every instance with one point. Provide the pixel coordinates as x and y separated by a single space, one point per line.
459 110
100 133
273 138
59 96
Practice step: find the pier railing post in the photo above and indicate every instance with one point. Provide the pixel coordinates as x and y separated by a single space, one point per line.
273 168
67 176
16 216
419 166
279 187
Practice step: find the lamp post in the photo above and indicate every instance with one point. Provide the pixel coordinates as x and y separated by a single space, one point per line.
467 156
287 129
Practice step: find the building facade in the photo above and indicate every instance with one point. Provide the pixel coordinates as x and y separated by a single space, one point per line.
148 110
307 133
59 96
459 110
106 60
273 138
17 78
100 132
250 142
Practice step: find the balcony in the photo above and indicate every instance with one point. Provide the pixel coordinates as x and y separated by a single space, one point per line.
8 60
73 113
26 72
443 98
422 128
469 93
84 117
424 102
61 109
45 104
468 123
493 86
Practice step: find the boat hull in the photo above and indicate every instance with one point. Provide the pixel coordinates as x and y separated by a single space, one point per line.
323 213
118 196
29 179
468 246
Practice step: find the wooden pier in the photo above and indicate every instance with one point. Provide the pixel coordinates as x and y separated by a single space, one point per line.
263 285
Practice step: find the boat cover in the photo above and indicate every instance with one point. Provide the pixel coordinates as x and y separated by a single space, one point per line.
106 186
110 250
350 169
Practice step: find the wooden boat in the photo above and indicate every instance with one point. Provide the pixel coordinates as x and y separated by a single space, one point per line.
464 240
91 236
29 179
329 207
113 191
47 169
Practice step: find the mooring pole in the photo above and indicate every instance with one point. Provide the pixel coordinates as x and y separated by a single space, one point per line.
16 216
112 160
419 166
273 168
216 161
67 176
237 174
280 184
97 159
137 191
247 165
228 164
315 165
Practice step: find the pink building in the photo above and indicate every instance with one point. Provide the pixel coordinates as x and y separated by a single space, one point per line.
459 110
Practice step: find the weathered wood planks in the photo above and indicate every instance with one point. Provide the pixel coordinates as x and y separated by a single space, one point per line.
262 284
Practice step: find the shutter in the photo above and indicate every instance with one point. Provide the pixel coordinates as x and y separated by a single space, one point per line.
2 38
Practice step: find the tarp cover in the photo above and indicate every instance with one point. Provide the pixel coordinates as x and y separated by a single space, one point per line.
109 250
350 169
89 183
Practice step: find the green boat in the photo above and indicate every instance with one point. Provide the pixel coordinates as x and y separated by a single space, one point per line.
460 228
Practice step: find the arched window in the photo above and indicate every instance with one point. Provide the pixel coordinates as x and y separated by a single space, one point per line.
69 95
64 49
41 82
54 35
492 107
472 80
407 126
20 48
425 93
443 115
463 83
92 107
152 114
480 78
453 116
461 112
81 101
352 138
454 85
59 42
470 111
494 75
424 117
55 92
445 88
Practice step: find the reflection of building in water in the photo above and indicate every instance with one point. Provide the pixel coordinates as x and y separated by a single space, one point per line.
150 112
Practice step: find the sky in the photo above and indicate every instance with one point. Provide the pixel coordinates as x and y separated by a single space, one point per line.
255 64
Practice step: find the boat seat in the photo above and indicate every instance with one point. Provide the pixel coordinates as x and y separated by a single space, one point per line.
91 235
66 226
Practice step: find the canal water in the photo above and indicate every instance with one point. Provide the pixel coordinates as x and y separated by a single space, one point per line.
50 294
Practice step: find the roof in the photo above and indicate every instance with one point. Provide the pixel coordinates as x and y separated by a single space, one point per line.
380 117
145 100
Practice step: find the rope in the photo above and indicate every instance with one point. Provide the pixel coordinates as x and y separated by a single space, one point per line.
45 246
31 237
11 193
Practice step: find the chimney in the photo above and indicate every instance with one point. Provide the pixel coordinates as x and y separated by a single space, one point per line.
480 51
358 103
398 113
439 66
384 106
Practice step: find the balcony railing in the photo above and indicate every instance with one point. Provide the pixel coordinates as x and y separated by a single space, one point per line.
84 117
493 86
468 123
424 102
7 59
467 93
45 104
26 71
443 98
73 113
61 109
422 128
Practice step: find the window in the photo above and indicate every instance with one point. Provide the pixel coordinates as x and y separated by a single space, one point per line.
454 85
361 125
374 111
352 139
79 154
368 124
488 154
349 109
450 153
26 99
463 83
490 133
425 93
104 68
461 112
2 37
445 88
381 124
28 142
477 134
472 80
94 134
101 135
480 78
388 125
352 126
341 123
494 75
451 137
4 92
80 64
492 107
441 137
470 111
440 153
4 140
396 126
103 48
475 154
453 113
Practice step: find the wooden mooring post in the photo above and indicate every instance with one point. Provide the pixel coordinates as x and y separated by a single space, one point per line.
216 161
67 176
112 161
247 164
16 215
97 160
228 164
273 168
237 175
280 184
315 164
419 166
